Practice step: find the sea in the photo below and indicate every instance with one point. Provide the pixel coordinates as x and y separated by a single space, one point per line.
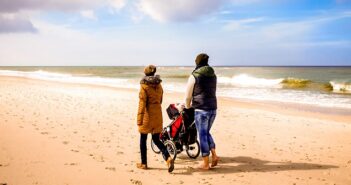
328 87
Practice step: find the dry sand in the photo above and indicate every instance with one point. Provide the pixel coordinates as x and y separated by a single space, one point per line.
54 133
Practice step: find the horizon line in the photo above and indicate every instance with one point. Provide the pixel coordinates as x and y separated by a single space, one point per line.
182 66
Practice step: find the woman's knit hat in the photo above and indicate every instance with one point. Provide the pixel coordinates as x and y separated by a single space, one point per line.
150 70
202 59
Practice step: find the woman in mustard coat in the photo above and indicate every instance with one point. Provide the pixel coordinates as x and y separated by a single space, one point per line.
150 115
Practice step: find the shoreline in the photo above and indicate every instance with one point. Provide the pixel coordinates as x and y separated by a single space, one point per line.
295 109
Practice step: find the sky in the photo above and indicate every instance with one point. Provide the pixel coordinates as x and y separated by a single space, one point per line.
173 32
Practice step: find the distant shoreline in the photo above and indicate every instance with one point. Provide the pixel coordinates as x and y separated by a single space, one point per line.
273 66
326 87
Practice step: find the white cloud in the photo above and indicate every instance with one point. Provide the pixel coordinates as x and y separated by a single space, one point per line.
177 10
244 2
117 4
17 7
10 23
61 5
283 31
188 10
237 25
89 14
257 40
62 45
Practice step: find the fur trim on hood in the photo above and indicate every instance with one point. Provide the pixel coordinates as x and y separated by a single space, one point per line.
148 80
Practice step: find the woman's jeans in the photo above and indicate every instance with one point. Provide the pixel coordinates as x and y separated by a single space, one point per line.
158 143
203 121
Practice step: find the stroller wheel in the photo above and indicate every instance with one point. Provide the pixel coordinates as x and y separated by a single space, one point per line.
193 150
154 147
171 148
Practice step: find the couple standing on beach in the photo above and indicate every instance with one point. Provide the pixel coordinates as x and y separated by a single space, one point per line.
200 94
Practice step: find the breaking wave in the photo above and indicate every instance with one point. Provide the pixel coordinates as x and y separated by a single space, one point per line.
340 87
329 93
245 80
295 83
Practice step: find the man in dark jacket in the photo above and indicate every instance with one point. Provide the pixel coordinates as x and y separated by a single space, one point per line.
201 92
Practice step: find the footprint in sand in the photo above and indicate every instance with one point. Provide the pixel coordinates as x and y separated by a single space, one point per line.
137 182
71 164
110 168
65 142
99 158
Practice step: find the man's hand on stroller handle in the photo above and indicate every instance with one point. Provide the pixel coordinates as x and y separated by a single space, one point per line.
180 106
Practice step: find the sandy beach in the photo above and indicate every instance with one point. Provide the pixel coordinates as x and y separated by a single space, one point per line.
56 133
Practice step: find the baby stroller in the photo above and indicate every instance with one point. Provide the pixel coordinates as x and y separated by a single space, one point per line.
180 134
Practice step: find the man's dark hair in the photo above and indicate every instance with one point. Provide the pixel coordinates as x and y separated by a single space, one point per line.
202 59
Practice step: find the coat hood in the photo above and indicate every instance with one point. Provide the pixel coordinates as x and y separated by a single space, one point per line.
151 80
205 71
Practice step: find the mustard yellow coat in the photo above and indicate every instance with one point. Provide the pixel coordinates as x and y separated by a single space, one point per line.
149 117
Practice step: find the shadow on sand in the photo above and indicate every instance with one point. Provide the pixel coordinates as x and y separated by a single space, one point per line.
249 164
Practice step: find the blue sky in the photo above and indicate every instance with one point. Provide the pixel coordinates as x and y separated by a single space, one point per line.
173 32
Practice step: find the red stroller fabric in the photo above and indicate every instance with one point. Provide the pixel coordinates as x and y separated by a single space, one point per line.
176 126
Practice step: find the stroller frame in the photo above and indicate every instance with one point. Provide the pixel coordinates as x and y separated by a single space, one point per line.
179 142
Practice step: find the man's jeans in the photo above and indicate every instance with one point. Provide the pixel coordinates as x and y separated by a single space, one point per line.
203 121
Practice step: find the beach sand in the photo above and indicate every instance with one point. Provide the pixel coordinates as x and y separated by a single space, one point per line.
55 133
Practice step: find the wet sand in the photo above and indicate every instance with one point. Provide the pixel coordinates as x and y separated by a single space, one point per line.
55 133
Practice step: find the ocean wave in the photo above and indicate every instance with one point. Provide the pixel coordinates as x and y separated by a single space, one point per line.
243 86
295 83
340 87
68 78
34 74
245 80
289 96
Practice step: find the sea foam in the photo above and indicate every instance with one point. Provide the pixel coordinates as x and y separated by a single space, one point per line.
68 78
244 80
242 86
341 87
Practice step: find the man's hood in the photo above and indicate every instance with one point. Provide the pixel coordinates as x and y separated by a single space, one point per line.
205 71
